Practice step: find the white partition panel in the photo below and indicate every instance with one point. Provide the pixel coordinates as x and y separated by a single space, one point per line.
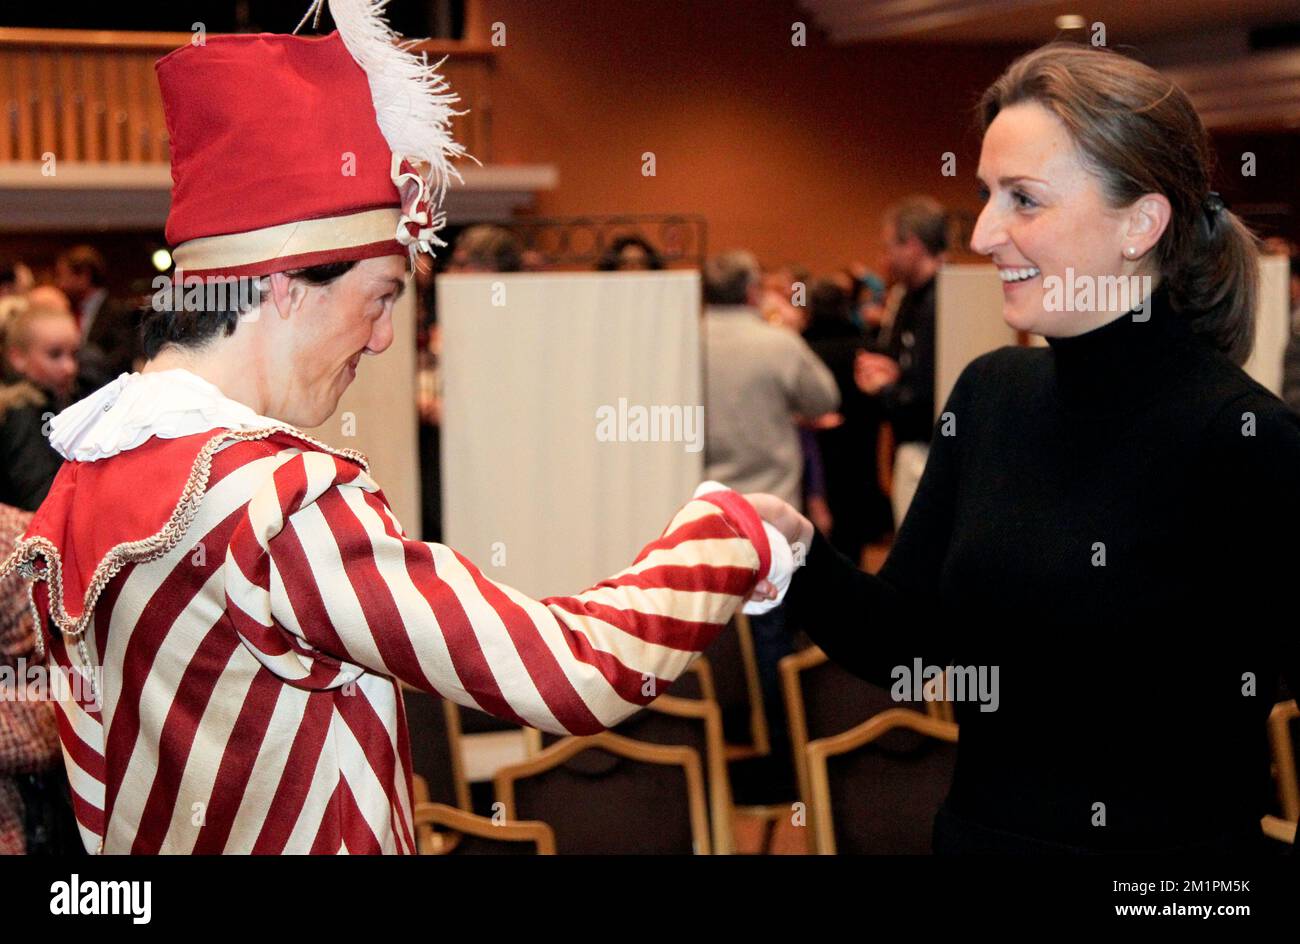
376 415
968 322
550 482
1272 322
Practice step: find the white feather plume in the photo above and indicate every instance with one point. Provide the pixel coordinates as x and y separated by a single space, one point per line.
413 102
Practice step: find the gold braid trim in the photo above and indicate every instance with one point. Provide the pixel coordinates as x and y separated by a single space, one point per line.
146 549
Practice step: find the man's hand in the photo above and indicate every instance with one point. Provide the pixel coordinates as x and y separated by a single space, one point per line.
874 372
819 513
825 421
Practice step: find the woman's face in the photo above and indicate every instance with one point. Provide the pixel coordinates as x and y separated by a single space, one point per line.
330 328
1046 220
49 357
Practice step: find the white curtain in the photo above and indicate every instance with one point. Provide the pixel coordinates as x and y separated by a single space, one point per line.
537 368
377 416
1272 323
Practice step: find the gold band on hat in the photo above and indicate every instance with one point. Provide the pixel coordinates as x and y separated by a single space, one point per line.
302 239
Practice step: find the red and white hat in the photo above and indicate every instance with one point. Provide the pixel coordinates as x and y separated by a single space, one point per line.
291 151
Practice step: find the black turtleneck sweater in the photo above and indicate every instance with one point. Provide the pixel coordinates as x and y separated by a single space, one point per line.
1114 522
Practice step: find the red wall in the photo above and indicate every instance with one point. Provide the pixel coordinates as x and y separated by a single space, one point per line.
792 152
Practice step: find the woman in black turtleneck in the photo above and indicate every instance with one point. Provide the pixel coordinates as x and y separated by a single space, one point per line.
1114 520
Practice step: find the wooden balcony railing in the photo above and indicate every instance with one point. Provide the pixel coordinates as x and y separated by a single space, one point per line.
92 96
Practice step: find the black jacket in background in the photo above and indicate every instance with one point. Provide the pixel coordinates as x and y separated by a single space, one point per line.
28 463
860 511
112 345
909 403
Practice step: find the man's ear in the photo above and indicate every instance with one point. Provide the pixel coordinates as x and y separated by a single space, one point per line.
287 294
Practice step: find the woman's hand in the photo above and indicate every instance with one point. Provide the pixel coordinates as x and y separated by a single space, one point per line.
794 527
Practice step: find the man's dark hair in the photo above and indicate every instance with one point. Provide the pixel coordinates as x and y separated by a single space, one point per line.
194 329
924 218
609 260
86 260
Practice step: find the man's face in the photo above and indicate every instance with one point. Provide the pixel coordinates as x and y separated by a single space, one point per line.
899 258
49 359
76 285
319 347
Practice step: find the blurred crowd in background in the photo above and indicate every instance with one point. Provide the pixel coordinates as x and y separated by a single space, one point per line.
819 388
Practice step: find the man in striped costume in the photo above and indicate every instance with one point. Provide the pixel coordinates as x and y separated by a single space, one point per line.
249 595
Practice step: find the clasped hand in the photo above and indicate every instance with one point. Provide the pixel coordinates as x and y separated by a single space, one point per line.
794 527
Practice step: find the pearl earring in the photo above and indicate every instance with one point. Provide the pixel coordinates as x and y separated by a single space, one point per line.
1131 251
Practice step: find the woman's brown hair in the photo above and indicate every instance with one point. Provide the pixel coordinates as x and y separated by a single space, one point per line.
1138 132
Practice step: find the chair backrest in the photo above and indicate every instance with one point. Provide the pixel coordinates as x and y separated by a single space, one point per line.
609 794
733 667
1278 829
694 722
876 787
451 831
695 682
1281 721
822 698
697 724
433 724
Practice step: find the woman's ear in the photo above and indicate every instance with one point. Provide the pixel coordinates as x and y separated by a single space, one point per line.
1148 218
288 294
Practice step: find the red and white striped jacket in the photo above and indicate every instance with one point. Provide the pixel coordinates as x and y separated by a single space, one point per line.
254 604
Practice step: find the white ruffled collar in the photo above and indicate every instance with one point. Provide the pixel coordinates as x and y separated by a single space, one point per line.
136 407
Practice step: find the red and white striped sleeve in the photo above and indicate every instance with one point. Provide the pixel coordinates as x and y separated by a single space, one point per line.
324 559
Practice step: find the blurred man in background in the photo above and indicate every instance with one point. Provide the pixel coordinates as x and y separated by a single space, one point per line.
901 371
110 328
760 379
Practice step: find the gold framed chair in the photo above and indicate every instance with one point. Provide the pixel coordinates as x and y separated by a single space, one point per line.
437 751
706 713
1280 829
791 668
937 703
855 701
1284 765
582 803
696 682
930 777
1283 828
740 662
762 744
443 830
694 704
731 673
